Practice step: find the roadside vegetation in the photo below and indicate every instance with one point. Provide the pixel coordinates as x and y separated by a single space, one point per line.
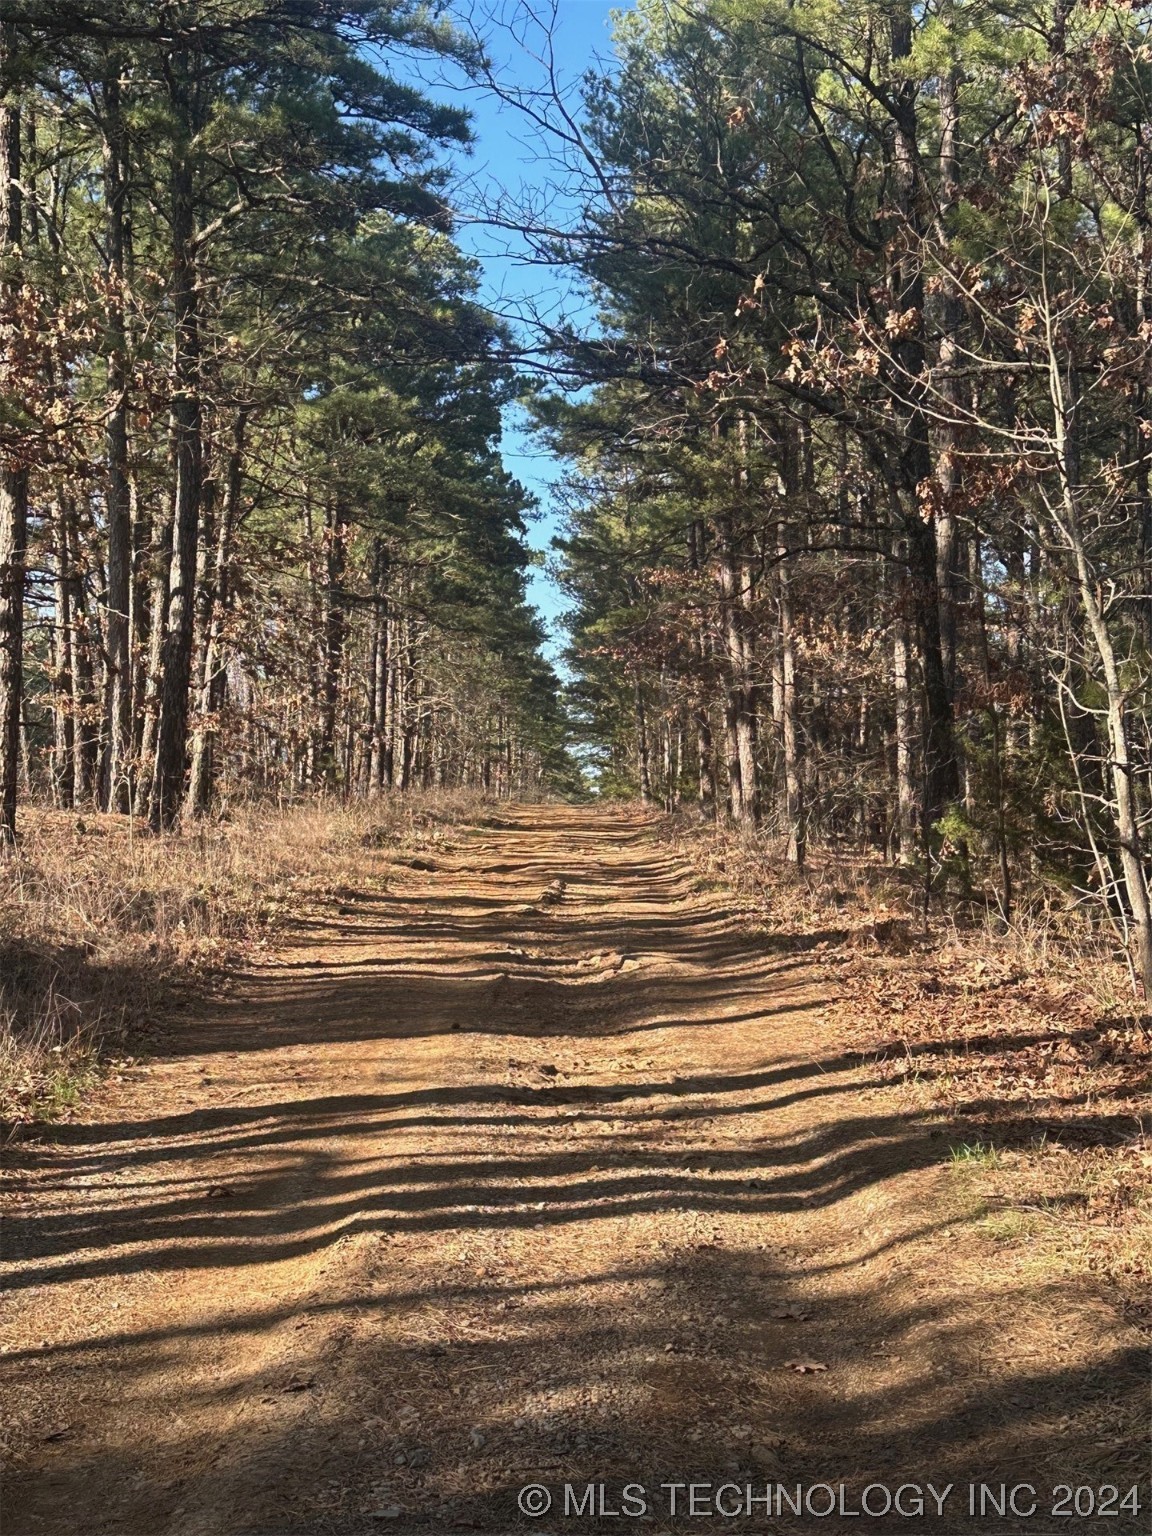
107 934
859 520
1019 1045
263 570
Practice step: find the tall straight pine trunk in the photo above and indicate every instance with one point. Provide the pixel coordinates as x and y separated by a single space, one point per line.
793 796
13 476
740 701
63 780
118 505
913 469
335 635
188 454
378 682
705 753
212 675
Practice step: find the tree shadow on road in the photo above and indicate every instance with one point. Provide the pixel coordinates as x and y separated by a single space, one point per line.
521 1267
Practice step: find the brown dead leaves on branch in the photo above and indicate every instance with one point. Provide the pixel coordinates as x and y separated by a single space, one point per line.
40 409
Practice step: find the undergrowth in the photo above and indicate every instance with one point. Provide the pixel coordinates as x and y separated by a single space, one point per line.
102 924
1020 1043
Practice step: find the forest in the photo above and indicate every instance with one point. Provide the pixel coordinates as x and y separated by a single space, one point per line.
860 528
859 517
256 536
531 995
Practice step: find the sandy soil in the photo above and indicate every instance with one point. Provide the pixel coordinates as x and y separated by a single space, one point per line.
539 1169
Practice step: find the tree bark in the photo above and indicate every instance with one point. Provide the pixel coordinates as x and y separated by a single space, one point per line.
85 700
642 769
188 453
198 794
335 633
213 673
947 459
63 765
377 765
13 475
793 806
705 751
1142 413
740 703
941 774
159 575
118 698
905 785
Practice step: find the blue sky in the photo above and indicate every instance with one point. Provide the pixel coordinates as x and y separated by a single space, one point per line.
510 154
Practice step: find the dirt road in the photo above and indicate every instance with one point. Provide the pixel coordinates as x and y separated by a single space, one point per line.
537 1169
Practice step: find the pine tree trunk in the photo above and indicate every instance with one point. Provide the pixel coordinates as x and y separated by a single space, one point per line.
160 569
392 661
138 631
335 633
213 674
705 751
402 732
118 696
947 460
63 765
197 795
905 784
643 774
941 769
85 707
793 782
377 775
1141 449
666 752
740 704
747 721
705 762
914 467
187 432
13 485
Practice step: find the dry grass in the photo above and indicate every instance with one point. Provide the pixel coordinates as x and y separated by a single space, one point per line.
100 922
1022 1041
